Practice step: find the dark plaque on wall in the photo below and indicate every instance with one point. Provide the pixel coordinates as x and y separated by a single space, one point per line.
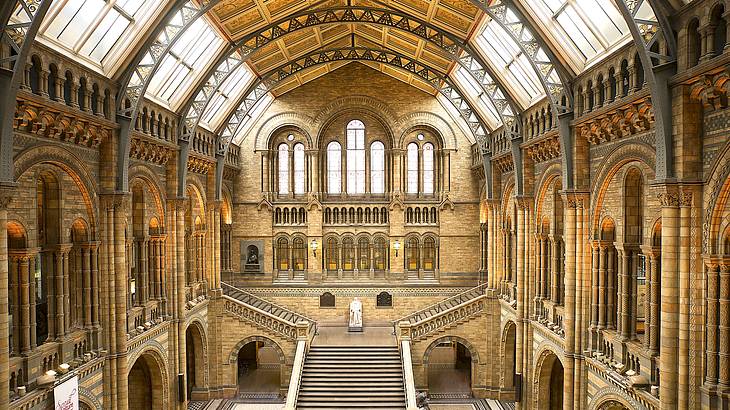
327 300
252 256
384 299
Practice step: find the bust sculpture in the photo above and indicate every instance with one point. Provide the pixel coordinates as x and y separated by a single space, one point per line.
355 316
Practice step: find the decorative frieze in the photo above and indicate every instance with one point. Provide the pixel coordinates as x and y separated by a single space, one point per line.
623 122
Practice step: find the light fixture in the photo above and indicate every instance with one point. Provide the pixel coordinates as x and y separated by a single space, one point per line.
396 246
314 247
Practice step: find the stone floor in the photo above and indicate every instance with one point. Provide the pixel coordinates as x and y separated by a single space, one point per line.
264 381
452 381
339 336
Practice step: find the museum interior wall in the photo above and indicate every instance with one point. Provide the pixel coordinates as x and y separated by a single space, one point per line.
592 274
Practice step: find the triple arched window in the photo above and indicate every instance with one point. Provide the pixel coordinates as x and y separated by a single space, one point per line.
363 164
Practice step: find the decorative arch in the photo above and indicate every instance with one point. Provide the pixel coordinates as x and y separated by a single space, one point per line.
68 162
286 119
153 355
614 162
145 174
505 349
365 103
233 356
439 126
546 355
614 394
546 182
449 339
716 197
356 111
87 397
201 350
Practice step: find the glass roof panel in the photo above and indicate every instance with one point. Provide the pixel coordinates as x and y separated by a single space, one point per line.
185 64
221 103
508 61
468 86
251 118
584 29
98 31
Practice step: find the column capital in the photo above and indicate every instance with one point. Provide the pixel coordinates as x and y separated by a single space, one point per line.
23 254
178 203
524 202
575 199
215 204
8 191
117 200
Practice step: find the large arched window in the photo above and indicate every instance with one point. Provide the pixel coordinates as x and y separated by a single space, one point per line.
379 254
412 165
299 254
428 168
429 254
363 256
348 254
377 168
283 169
355 157
412 254
334 168
282 251
331 254
299 169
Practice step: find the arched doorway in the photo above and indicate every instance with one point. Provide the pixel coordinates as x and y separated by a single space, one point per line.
145 386
194 359
550 381
612 405
258 369
449 363
509 357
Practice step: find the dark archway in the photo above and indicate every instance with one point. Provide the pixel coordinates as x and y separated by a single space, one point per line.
145 385
509 357
550 373
449 370
195 359
258 370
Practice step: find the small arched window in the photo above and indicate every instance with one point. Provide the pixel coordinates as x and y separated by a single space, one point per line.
299 169
428 168
334 168
377 168
348 254
412 254
355 157
412 164
331 254
283 169
299 254
379 254
429 254
363 254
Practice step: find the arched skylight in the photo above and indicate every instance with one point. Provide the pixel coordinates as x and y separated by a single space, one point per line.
226 96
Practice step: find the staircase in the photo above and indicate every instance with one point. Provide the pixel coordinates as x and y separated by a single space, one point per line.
352 377
282 278
443 305
263 305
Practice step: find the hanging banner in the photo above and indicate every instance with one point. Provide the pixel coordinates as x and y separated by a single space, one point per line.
66 395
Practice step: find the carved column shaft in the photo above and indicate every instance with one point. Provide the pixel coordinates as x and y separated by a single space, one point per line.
711 328
595 279
654 320
724 354
602 300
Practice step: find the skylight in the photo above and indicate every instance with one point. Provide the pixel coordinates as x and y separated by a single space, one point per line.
226 96
474 92
185 64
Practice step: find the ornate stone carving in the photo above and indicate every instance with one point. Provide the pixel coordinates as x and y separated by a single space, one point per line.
145 149
631 119
544 149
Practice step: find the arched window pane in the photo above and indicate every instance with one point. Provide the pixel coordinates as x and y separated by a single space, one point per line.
412 185
282 250
334 168
355 157
377 167
299 169
283 169
428 168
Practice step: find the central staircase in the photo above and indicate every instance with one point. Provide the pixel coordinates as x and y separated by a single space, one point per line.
351 377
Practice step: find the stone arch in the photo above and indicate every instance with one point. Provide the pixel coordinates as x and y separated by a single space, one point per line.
154 362
87 397
546 182
276 122
233 356
473 352
615 394
548 356
440 127
355 102
356 112
716 197
68 162
508 348
145 174
622 155
199 344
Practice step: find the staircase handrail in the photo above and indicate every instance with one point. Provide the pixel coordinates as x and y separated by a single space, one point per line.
437 304
408 382
270 305
464 310
296 375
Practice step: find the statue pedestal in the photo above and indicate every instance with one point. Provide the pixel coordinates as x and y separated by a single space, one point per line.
354 329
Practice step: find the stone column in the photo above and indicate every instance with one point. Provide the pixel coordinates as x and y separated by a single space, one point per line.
595 280
572 203
647 299
724 356
521 289
708 40
6 194
670 300
607 90
554 268
654 290
121 272
602 280
712 269
625 296
14 303
265 180
540 278
86 284
60 323
179 287
611 308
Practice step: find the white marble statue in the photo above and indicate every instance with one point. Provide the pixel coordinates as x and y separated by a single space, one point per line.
356 313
